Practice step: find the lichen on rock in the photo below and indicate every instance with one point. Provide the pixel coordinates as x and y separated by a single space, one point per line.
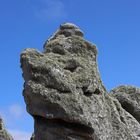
65 95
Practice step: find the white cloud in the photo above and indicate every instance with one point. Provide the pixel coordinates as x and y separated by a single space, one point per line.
11 113
52 9
20 135
16 110
15 118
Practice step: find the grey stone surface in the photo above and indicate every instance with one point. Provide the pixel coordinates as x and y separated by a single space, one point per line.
129 97
4 135
64 93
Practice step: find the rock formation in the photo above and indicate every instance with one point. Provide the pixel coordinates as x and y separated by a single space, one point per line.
4 135
129 97
64 93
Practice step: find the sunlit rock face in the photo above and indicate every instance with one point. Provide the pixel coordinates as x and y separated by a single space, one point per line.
4 135
64 93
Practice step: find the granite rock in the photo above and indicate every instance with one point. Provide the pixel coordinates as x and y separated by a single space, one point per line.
65 95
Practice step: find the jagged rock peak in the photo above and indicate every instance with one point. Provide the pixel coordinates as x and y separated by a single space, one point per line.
4 135
68 26
68 39
67 30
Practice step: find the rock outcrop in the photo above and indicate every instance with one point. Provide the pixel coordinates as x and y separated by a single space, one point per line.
129 97
4 135
64 93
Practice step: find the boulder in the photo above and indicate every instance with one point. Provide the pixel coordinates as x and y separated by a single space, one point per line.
129 97
64 93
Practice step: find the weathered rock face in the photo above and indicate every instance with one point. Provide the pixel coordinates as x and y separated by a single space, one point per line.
129 97
4 135
64 93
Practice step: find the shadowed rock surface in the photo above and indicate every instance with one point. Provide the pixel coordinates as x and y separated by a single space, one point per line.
64 93
4 135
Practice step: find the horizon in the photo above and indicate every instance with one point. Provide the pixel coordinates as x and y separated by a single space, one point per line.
114 26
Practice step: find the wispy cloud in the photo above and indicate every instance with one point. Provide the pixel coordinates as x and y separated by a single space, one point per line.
17 121
20 135
16 110
51 10
12 113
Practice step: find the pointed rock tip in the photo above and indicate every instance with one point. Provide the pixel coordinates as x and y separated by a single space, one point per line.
69 29
68 26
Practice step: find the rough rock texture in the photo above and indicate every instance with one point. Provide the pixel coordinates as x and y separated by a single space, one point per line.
129 97
64 93
4 135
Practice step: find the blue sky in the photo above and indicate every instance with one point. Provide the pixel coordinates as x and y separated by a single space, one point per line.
113 25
